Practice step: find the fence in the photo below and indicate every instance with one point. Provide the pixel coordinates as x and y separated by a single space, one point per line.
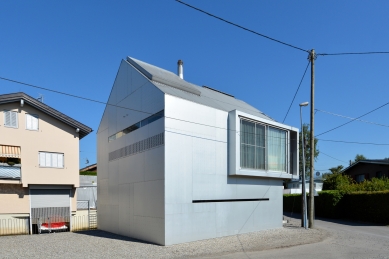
86 193
14 225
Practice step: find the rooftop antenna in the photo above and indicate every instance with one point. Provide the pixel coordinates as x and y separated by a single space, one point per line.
40 98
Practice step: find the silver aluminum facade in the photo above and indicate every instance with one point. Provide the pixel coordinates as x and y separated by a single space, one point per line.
160 194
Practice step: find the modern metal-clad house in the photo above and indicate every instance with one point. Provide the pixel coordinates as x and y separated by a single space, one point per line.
179 162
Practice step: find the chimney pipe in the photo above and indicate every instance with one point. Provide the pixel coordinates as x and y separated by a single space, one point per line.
180 69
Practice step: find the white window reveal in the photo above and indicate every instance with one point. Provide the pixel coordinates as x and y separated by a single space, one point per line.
32 122
51 160
10 119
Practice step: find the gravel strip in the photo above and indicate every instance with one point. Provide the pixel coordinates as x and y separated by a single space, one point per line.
101 244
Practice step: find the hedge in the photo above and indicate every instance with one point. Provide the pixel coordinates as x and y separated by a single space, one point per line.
88 173
366 206
363 206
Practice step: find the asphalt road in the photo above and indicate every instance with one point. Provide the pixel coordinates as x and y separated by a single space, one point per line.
346 240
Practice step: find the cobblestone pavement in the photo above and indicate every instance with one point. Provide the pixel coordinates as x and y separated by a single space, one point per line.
101 244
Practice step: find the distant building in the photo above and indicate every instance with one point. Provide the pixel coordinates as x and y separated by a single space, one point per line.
89 168
368 169
295 186
179 162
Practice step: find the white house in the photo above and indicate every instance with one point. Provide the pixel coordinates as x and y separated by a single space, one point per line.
295 186
179 162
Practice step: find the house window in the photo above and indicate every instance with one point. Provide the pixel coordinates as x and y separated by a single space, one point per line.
360 178
137 125
32 122
262 147
10 119
379 174
55 160
277 149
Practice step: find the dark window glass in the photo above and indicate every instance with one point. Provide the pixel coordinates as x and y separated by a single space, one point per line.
137 125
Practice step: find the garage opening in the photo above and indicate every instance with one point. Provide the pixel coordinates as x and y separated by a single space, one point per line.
50 210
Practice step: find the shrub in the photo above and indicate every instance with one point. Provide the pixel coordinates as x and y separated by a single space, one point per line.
327 204
346 184
337 181
94 173
292 203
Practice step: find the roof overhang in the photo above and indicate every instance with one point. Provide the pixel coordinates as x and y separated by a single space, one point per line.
16 97
379 162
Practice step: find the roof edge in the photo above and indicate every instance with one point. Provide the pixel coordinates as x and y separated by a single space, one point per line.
14 97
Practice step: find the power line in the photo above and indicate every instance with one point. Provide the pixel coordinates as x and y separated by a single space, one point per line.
353 119
353 142
383 125
296 91
241 27
71 95
113 105
321 152
353 53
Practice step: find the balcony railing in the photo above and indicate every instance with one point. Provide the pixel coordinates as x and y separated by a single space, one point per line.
10 172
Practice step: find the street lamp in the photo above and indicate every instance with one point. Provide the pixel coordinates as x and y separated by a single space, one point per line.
304 195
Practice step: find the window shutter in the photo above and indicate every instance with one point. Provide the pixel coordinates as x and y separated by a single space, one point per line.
29 121
14 120
48 159
7 118
34 124
42 159
60 160
54 160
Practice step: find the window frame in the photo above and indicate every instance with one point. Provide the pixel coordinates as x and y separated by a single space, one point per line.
35 116
16 120
266 146
51 153
233 147
358 176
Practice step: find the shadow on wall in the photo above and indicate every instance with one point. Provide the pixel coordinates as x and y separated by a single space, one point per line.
248 180
13 189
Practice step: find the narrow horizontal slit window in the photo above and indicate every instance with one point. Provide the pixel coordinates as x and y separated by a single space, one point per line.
137 125
229 200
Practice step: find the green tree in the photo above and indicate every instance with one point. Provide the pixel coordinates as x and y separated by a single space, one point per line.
336 180
336 170
359 157
307 150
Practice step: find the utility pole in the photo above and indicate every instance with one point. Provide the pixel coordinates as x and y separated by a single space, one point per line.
312 57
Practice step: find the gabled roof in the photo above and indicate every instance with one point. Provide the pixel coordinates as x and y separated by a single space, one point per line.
16 97
368 161
92 167
172 84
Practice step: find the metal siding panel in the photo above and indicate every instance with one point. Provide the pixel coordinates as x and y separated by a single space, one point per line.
42 198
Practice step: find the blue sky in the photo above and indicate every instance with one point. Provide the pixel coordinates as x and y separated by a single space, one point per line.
76 47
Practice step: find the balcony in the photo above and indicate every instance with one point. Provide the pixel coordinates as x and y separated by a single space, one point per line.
10 163
10 172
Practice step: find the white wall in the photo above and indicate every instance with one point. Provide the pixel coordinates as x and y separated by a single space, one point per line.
131 189
196 169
